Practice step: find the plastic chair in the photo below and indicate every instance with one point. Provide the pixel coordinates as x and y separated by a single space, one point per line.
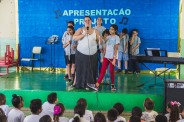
36 51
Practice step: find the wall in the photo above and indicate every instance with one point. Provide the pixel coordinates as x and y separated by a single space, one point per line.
182 33
156 20
7 25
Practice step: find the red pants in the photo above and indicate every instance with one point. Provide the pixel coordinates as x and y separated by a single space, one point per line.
104 68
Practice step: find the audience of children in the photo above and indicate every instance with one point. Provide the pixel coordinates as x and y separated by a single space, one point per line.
16 115
120 108
36 108
59 110
149 114
3 105
48 106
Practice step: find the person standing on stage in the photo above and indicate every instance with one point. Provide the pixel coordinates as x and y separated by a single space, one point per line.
123 50
70 23
101 29
135 42
111 49
86 54
69 46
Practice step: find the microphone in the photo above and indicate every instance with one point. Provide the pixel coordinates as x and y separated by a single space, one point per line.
87 28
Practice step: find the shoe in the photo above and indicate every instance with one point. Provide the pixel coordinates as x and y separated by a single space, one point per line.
92 86
66 76
119 70
113 88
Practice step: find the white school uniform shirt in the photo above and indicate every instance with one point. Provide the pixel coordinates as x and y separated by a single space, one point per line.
149 116
63 119
137 40
123 41
88 115
47 109
81 120
110 44
100 29
32 118
16 115
120 118
5 108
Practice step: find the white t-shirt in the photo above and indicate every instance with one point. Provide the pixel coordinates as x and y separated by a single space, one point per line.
88 115
47 109
32 118
100 29
16 115
63 119
111 42
149 116
81 120
6 109
120 118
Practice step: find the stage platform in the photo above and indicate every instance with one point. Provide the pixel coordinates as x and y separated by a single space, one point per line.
38 84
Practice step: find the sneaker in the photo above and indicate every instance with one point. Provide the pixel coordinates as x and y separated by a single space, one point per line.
92 86
66 76
119 70
69 80
113 88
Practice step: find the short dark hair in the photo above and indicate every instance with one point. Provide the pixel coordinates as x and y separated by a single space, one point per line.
135 119
52 97
119 107
136 111
148 104
71 22
16 100
112 114
115 27
125 30
161 118
2 99
82 101
45 118
99 117
135 30
35 105
106 31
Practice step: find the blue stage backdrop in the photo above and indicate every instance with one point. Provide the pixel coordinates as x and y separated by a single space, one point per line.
156 20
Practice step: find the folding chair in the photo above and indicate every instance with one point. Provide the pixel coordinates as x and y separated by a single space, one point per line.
36 51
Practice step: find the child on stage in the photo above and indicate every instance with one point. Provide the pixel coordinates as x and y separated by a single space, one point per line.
112 43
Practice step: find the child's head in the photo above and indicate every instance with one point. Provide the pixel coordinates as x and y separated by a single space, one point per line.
135 32
99 21
173 109
58 111
136 111
119 107
148 104
83 102
161 118
45 118
52 98
2 99
17 101
105 33
79 111
113 29
112 114
135 119
99 117
124 31
36 106
70 30
70 23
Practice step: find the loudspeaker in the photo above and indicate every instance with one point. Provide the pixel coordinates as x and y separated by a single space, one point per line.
174 91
